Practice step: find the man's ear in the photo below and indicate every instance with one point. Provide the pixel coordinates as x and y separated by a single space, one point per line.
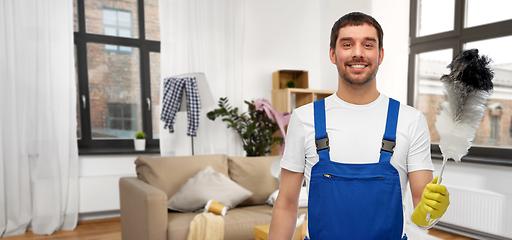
332 55
381 55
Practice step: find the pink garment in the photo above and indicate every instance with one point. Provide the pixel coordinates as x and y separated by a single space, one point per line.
282 119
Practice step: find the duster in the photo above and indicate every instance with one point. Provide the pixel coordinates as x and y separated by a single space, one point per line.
467 89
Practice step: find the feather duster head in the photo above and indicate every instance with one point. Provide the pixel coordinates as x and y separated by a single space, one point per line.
471 70
467 88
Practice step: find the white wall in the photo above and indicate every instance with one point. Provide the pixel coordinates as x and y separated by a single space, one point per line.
477 176
99 183
279 35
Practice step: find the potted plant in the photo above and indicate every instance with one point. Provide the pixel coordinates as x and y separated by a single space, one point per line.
140 141
255 128
290 83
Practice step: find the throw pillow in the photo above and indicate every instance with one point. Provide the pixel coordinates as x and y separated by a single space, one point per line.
303 198
170 173
253 173
205 185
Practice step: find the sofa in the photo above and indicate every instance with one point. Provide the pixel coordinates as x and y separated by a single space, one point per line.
144 199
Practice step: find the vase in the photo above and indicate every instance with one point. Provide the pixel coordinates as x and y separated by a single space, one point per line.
140 144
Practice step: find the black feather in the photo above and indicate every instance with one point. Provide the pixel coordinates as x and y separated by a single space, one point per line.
471 70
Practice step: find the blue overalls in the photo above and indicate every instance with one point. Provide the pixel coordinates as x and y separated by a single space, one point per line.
355 201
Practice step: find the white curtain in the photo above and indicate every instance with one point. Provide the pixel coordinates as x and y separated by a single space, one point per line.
203 36
38 145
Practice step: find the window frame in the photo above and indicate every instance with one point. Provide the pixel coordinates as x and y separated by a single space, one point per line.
455 40
87 145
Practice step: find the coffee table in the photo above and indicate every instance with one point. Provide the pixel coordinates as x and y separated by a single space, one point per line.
261 232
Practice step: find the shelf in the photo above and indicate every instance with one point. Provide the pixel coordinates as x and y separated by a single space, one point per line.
288 99
281 77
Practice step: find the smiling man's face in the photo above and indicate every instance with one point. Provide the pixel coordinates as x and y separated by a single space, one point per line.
357 55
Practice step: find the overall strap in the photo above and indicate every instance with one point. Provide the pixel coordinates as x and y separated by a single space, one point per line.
321 138
388 141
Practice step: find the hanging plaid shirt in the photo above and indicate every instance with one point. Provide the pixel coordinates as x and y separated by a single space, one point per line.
171 103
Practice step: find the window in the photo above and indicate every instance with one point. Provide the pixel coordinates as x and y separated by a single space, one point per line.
111 82
480 12
435 39
122 120
495 128
117 74
442 10
117 23
431 65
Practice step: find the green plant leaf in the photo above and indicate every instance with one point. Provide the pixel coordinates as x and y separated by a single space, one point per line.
254 127
140 135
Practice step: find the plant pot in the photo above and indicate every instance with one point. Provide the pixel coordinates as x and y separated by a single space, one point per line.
140 144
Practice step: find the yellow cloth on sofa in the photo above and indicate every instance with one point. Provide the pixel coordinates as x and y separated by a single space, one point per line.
206 226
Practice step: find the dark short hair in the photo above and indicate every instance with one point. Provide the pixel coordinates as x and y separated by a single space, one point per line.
356 19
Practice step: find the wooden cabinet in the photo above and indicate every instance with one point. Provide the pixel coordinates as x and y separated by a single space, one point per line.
287 99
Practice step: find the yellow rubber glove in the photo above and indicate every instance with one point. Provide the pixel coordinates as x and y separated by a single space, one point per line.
434 200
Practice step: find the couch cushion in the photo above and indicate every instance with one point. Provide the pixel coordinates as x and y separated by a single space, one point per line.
205 185
239 222
170 173
253 173
303 198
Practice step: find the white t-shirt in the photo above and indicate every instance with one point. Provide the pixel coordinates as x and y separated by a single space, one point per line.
355 136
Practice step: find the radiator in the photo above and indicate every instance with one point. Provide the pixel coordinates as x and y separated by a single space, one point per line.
480 210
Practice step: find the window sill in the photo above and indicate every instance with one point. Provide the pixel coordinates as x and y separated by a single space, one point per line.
491 156
115 151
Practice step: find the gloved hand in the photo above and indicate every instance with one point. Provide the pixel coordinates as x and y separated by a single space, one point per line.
434 200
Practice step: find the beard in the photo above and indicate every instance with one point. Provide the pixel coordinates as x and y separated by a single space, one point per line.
357 79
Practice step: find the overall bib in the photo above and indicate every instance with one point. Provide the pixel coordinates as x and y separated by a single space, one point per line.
355 201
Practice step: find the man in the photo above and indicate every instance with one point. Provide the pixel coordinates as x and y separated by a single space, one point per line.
356 177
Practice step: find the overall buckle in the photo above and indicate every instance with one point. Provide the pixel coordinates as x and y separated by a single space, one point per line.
388 146
322 144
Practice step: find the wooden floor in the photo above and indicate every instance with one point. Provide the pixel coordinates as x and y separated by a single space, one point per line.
110 229
446 236
107 229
